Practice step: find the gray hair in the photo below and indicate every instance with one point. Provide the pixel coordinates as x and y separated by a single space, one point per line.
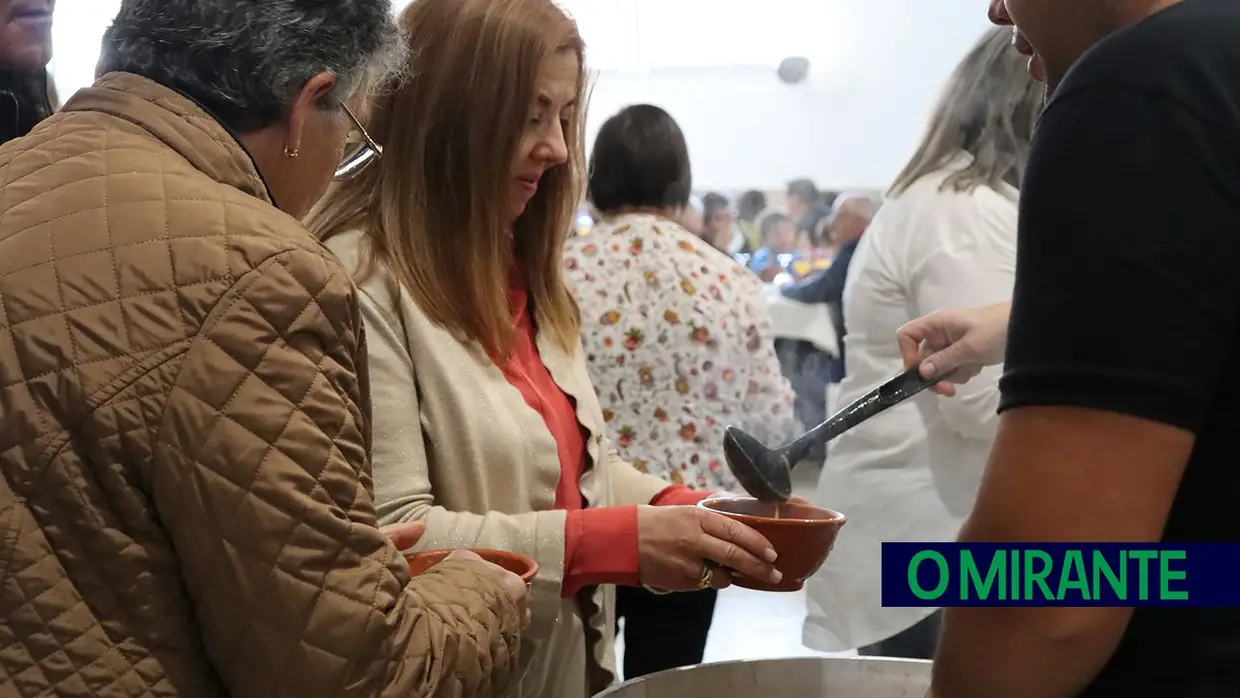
988 109
863 204
245 61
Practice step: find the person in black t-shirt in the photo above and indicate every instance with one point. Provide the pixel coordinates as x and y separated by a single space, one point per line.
1121 397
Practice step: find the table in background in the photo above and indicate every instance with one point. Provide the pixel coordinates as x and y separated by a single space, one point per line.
805 342
808 322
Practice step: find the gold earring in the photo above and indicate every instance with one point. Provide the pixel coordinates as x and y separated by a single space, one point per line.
290 154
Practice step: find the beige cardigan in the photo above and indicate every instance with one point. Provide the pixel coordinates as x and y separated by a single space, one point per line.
456 446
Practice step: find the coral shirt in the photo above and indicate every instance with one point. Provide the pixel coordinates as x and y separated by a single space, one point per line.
600 544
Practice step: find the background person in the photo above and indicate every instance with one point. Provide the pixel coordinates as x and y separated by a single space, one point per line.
184 484
720 230
815 374
678 343
807 206
749 207
716 221
779 237
850 217
804 204
946 235
26 93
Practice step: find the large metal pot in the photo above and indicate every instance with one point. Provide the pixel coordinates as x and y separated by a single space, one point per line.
808 677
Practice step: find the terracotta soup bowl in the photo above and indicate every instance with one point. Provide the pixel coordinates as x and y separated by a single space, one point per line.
802 536
524 567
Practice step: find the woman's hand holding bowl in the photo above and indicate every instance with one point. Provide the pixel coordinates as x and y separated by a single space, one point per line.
686 548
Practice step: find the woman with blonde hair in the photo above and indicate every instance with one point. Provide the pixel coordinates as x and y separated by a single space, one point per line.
944 238
486 425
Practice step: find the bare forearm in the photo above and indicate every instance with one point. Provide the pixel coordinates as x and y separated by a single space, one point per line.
1019 653
1022 652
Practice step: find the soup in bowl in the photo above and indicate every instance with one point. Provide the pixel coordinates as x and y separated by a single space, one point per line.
802 535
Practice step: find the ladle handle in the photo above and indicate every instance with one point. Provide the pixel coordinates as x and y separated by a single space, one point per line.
889 394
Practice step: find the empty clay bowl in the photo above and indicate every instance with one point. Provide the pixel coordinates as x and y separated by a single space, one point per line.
802 536
520 565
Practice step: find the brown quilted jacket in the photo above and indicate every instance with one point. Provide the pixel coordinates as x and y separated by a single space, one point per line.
185 500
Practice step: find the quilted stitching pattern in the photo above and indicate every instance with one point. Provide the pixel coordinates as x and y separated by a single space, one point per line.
181 425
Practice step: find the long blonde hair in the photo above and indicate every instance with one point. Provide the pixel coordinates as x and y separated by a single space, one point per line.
988 109
434 207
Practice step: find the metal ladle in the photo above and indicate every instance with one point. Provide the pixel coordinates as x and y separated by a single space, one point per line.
766 474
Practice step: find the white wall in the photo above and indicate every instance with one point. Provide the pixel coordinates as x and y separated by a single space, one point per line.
854 123
877 67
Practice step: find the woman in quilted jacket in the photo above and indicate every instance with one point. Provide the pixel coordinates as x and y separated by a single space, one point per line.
185 500
486 424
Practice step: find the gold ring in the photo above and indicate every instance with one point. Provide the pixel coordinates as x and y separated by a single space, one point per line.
708 575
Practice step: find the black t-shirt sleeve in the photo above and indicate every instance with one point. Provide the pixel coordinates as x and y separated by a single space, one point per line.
1128 265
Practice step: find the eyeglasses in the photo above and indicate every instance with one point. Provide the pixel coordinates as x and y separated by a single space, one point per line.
360 150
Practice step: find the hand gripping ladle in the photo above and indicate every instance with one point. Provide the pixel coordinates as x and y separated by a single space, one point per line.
766 473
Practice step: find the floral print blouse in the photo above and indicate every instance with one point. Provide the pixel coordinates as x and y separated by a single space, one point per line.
679 345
